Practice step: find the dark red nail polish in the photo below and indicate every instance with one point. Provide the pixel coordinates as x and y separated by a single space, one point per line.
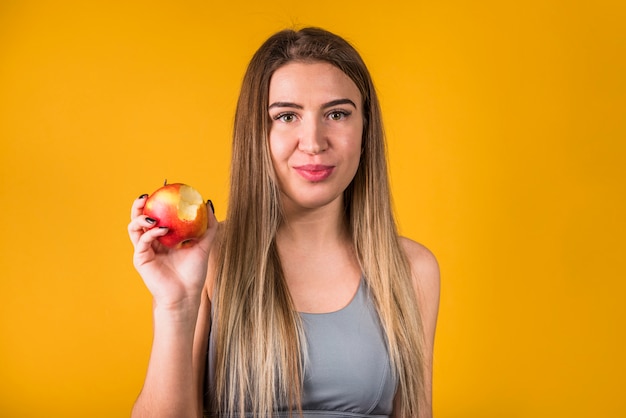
150 220
211 205
143 196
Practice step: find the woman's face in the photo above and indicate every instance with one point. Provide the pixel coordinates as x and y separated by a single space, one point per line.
316 132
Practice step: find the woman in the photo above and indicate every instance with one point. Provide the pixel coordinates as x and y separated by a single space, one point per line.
305 301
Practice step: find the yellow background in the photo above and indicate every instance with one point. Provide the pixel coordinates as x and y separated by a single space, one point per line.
507 146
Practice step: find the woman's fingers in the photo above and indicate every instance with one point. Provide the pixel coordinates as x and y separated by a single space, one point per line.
143 234
138 226
144 250
211 214
138 222
206 240
138 204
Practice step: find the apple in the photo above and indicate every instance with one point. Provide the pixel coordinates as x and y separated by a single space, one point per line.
181 209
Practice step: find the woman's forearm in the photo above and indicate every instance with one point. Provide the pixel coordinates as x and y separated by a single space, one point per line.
169 389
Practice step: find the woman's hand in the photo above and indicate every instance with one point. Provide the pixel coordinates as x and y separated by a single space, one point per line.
175 277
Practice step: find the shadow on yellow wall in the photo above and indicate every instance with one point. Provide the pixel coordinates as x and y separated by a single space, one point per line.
507 148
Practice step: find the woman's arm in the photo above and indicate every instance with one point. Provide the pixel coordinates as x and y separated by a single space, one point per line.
425 270
190 382
200 349
176 279
170 388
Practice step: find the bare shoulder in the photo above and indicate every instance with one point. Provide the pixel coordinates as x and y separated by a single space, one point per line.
425 272
424 265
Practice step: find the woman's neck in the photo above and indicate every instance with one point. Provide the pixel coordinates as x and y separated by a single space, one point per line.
314 228
318 259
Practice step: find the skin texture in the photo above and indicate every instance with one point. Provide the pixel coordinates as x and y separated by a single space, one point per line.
426 280
317 120
175 278
317 123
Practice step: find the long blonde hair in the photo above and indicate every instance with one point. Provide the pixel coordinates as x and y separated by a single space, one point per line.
259 363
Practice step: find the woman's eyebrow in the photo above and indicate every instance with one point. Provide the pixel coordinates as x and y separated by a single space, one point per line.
286 104
324 106
338 102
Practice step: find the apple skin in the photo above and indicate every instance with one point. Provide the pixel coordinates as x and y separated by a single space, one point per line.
179 208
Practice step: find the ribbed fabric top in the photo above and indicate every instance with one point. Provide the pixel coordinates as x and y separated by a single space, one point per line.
348 373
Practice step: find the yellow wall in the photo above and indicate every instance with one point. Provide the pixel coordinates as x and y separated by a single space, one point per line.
508 155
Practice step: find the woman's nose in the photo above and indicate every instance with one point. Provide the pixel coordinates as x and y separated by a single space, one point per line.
313 138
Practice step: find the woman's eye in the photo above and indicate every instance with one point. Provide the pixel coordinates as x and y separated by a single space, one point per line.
338 115
286 117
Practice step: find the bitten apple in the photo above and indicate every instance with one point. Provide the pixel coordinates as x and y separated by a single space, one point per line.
181 209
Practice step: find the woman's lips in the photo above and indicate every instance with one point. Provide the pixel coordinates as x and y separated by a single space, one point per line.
315 172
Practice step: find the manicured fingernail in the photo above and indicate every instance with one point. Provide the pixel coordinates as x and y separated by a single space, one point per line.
163 227
150 220
143 196
211 205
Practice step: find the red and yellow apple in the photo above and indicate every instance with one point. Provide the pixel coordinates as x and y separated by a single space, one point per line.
181 209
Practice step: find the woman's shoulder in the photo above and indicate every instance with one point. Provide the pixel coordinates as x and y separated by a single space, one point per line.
424 267
422 260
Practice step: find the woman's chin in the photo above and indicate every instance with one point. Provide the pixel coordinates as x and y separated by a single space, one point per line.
311 202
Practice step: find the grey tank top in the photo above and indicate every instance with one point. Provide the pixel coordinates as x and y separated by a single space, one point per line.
348 373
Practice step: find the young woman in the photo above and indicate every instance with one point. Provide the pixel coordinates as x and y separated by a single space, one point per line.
305 301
